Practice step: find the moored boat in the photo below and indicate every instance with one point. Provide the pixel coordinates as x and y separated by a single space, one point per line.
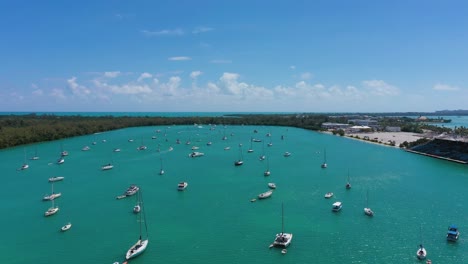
453 233
66 227
181 186
265 194
131 190
272 185
328 195
196 154
140 246
54 179
282 239
336 206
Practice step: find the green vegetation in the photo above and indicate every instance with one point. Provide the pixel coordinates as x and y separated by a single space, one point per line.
31 128
25 129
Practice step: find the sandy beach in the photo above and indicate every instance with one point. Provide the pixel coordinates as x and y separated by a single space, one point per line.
384 137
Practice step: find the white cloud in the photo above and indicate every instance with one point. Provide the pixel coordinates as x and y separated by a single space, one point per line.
292 67
171 88
127 88
198 30
306 75
195 74
179 58
164 32
58 93
77 89
143 76
445 87
112 74
221 61
380 88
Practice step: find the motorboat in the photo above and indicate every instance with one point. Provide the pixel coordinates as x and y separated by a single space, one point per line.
227 148
85 148
265 194
137 209
336 206
117 150
421 253
107 167
287 154
58 178
266 173
24 167
238 162
196 154
132 190
272 185
368 211
64 153
66 227
329 195
195 147
453 233
60 160
181 186
262 157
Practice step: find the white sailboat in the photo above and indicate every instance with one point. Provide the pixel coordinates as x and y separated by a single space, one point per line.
367 210
161 171
348 184
421 253
324 164
52 196
250 150
140 246
267 172
108 166
35 157
239 161
25 165
282 239
52 210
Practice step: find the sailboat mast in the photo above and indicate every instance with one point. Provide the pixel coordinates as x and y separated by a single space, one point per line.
282 218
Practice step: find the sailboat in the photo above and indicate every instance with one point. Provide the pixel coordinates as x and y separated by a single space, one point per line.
52 210
35 157
262 157
421 253
25 165
367 210
140 246
239 162
161 171
250 150
52 196
107 166
282 239
348 184
267 172
324 164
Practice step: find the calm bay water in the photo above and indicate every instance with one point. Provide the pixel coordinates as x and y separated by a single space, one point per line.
213 220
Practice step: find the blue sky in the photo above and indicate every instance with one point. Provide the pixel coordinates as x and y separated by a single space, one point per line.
233 56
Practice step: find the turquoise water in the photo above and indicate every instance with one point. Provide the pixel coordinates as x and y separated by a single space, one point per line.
213 220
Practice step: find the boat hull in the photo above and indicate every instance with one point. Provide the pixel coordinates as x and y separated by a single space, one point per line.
137 249
283 240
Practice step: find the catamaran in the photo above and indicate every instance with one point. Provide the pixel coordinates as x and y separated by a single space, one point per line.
282 239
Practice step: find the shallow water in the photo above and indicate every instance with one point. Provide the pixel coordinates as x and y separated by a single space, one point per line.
213 220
